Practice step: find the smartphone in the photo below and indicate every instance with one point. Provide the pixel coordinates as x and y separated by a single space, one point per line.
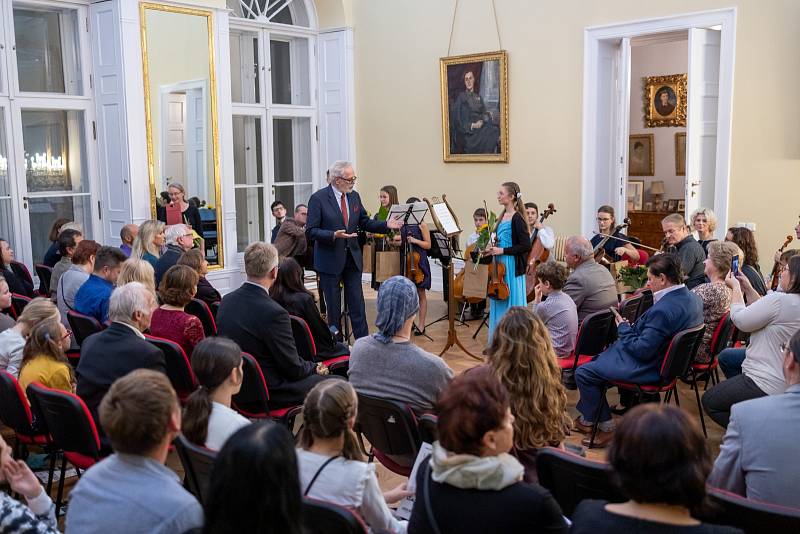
735 265
615 311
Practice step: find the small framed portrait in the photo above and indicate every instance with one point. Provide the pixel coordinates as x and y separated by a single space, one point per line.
672 205
648 206
665 100
681 205
475 107
680 154
635 195
640 155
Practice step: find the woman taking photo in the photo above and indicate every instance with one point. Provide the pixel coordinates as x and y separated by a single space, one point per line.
330 462
521 356
195 259
616 249
748 265
149 242
715 294
511 248
417 238
704 222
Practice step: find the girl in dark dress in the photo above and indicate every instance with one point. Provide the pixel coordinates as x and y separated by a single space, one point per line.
616 249
419 237
290 292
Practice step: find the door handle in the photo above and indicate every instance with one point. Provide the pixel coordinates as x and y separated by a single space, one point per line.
25 202
695 184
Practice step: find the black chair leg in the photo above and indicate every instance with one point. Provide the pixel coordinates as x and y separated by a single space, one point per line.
50 472
699 406
596 423
677 399
60 494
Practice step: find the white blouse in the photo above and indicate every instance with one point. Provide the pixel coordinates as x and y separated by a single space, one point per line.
222 424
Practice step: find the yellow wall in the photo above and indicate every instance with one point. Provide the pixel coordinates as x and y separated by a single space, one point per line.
398 118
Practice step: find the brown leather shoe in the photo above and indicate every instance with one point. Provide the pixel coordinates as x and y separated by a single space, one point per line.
600 440
581 427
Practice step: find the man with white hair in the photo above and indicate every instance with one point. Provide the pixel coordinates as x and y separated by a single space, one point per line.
335 215
179 239
120 348
590 285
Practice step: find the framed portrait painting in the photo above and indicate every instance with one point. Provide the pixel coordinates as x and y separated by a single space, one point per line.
640 155
665 100
635 195
680 154
475 107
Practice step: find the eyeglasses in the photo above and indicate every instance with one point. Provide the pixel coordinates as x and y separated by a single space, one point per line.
187 235
349 180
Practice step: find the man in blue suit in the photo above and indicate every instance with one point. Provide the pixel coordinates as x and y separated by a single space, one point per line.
639 350
335 214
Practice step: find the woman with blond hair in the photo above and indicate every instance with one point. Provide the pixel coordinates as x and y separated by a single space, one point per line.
521 355
136 270
149 241
704 222
12 341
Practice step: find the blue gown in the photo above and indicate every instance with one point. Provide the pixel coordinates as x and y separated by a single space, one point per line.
516 284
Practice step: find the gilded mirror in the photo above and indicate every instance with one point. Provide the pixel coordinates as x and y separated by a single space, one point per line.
181 117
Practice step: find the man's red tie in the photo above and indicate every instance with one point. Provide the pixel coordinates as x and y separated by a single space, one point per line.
344 211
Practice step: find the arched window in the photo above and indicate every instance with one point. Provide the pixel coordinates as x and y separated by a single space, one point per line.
291 12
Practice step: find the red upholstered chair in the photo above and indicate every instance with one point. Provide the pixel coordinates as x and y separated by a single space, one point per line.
252 401
593 336
200 309
83 326
320 517
179 369
307 349
70 426
15 413
18 303
676 362
753 517
197 463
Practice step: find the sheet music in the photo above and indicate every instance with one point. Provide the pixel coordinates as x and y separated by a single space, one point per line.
418 210
446 218
406 505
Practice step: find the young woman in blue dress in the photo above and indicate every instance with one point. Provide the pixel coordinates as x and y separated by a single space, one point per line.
511 248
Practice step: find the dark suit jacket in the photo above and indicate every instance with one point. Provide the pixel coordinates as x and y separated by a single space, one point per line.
302 305
261 327
638 352
167 260
111 354
325 217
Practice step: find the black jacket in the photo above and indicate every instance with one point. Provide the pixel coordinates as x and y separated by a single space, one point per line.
520 244
111 354
17 284
206 292
167 260
302 305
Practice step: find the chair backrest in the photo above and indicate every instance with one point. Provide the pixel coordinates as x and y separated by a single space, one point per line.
647 302
571 478
320 517
723 335
44 273
67 419
21 270
200 309
179 370
303 340
18 303
15 412
389 425
753 516
82 325
214 308
253 397
629 308
681 352
197 464
593 333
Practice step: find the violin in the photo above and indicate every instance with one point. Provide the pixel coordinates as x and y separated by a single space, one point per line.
600 254
412 269
498 288
776 269
538 254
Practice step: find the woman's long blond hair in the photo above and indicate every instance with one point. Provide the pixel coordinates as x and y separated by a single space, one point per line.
137 270
144 239
521 355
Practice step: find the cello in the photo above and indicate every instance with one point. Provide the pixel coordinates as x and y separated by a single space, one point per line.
600 255
776 269
538 254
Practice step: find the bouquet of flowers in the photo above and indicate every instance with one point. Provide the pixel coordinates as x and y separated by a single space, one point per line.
484 237
634 277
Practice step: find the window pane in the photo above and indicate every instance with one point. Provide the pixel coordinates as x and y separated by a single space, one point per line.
244 67
293 195
289 71
6 221
55 154
247 151
47 51
44 210
292 147
249 216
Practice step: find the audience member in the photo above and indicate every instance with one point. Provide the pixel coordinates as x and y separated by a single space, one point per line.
330 462
387 364
590 285
716 296
704 222
762 435
136 270
39 517
132 490
208 419
149 241
12 341
557 310
129 310
637 354
53 254
92 297
260 460
68 241
290 292
291 237
16 284
170 321
261 327
279 212
72 280
660 461
43 358
179 240
691 253
6 321
748 262
470 483
771 320
205 291
521 356
127 235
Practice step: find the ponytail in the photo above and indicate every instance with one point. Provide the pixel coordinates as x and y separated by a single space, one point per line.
326 412
195 416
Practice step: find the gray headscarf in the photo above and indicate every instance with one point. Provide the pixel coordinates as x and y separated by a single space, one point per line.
397 301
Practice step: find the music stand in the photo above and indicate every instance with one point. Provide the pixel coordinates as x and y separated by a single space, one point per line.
413 212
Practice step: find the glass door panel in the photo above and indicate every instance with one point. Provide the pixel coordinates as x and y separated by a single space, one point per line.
289 68
248 179
6 208
245 67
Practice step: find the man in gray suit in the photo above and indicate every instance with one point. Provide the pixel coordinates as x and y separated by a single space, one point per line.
757 458
590 285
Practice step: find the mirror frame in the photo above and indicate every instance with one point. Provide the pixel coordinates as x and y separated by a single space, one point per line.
143 8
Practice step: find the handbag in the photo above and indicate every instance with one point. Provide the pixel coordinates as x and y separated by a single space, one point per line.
476 280
368 251
387 265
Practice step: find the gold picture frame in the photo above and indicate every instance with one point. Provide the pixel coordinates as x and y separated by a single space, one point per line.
475 111
665 100
641 155
680 154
